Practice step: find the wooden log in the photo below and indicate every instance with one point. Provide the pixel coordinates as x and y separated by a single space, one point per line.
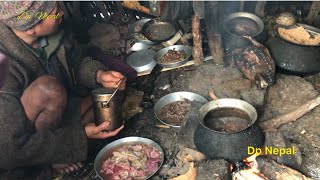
313 12
291 116
212 21
275 171
197 41
215 45
259 9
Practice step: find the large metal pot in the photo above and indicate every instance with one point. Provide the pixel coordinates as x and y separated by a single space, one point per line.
232 146
238 24
294 57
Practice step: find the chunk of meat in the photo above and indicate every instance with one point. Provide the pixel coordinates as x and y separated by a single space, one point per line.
132 161
256 63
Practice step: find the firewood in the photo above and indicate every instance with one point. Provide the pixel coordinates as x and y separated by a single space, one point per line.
291 116
313 12
213 31
197 53
273 170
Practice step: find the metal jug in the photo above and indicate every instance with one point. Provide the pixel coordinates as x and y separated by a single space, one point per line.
104 111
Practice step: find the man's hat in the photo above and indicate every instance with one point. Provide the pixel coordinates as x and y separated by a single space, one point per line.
10 11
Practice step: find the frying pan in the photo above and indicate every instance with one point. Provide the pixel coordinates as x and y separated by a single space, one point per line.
158 31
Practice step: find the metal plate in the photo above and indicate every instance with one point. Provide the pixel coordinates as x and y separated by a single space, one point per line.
142 60
120 142
174 97
162 52
157 30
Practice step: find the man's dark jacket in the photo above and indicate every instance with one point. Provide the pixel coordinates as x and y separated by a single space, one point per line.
20 144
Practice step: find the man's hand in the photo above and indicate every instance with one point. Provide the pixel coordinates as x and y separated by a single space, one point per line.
97 132
110 79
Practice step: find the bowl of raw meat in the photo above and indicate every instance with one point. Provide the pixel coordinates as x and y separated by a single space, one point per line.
173 109
173 56
129 158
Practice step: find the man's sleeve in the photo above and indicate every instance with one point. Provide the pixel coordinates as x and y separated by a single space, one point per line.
86 70
21 145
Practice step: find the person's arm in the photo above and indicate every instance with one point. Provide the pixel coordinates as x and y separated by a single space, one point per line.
4 67
21 145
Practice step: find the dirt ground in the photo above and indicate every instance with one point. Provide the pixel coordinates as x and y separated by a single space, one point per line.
287 94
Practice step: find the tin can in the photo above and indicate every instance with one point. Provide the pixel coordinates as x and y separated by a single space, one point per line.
107 112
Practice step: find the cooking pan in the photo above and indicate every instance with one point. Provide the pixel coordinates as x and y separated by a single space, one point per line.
293 57
158 31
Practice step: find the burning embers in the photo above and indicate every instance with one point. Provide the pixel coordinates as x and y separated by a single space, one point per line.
246 169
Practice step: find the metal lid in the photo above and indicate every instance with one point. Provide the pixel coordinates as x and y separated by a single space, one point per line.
142 60
102 94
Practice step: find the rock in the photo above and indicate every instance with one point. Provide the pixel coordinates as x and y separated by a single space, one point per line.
309 142
131 105
287 94
226 82
315 80
276 140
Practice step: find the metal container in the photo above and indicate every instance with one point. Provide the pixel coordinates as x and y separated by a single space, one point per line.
158 31
232 146
238 24
174 97
102 155
111 112
162 52
142 60
295 57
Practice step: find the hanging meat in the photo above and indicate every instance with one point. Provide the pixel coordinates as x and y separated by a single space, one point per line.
256 63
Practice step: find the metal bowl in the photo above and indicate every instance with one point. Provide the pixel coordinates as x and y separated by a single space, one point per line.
174 97
245 21
227 103
142 60
243 18
162 52
158 31
102 155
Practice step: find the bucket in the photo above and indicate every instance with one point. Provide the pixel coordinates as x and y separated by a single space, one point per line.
107 112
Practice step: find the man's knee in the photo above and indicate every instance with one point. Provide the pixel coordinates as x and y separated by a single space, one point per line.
49 87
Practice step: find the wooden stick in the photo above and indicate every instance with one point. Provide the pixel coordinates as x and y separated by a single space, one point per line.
313 12
291 116
273 170
197 53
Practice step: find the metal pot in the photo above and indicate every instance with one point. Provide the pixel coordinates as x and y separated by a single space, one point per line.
232 146
238 24
294 57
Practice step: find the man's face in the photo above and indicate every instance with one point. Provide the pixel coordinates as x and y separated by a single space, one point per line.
51 25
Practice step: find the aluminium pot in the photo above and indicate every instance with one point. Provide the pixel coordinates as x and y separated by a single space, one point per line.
293 57
232 146
238 24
